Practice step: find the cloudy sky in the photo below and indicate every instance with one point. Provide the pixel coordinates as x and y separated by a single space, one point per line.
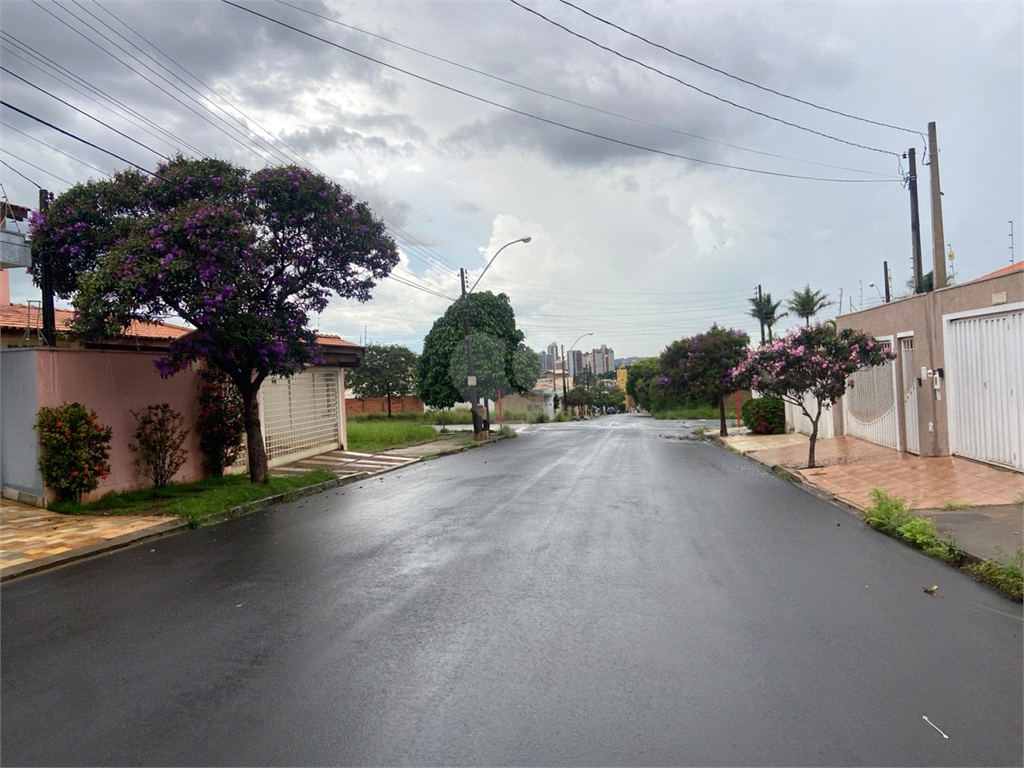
649 197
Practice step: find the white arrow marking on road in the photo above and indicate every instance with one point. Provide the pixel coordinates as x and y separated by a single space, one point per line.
933 725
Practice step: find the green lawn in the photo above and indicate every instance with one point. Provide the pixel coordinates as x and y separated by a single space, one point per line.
375 435
192 501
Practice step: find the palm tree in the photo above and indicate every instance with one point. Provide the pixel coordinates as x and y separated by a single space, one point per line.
807 303
764 311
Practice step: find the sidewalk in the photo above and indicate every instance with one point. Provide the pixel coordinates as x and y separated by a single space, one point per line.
34 539
848 468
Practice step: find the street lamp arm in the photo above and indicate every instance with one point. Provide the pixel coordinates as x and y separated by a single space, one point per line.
506 245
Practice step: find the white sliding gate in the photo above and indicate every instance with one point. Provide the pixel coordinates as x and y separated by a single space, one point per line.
984 378
910 395
869 406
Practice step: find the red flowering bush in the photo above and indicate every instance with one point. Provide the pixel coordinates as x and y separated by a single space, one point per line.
160 443
76 450
221 424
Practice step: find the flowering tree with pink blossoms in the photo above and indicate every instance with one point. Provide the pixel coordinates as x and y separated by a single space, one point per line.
815 359
242 256
700 367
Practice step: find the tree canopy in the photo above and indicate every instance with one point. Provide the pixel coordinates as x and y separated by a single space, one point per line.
243 256
700 368
818 360
807 303
497 354
385 371
765 311
638 380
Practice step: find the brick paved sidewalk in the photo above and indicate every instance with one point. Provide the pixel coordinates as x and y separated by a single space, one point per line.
848 468
32 538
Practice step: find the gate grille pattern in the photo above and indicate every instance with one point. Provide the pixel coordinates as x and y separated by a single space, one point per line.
300 412
869 406
910 396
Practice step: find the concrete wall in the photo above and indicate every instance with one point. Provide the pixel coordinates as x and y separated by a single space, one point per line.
113 383
922 315
19 442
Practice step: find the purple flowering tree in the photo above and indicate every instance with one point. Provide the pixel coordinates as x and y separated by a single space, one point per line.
243 256
813 359
700 368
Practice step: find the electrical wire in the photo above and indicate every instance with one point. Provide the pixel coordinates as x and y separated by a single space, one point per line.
547 120
84 141
138 120
576 103
698 89
82 112
26 178
10 127
735 77
38 168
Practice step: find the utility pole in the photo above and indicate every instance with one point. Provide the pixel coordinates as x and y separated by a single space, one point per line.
46 262
938 236
885 279
760 313
470 378
565 370
1011 242
915 223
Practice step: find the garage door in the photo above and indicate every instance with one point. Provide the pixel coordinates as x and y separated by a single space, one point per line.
985 384
301 413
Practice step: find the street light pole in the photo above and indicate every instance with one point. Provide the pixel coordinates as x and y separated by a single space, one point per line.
565 367
470 377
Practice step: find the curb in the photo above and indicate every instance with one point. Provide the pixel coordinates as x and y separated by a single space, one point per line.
100 547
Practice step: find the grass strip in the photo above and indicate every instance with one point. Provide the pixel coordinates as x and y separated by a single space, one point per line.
371 436
889 514
193 501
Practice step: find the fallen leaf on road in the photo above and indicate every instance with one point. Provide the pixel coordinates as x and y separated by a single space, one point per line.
931 590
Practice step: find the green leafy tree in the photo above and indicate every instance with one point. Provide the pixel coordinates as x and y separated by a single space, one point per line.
638 380
700 368
439 382
525 369
765 311
160 443
814 359
243 256
807 303
386 370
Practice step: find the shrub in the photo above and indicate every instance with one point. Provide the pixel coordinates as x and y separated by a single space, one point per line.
887 513
160 443
1004 573
221 421
540 418
76 450
764 415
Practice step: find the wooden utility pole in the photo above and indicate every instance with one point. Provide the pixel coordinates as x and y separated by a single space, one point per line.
915 222
885 279
46 266
938 236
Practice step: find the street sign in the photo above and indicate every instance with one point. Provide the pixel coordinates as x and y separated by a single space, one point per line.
471 381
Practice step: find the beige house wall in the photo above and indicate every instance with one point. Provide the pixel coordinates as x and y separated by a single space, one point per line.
922 316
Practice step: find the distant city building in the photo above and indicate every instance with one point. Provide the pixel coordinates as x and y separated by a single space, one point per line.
574 360
600 361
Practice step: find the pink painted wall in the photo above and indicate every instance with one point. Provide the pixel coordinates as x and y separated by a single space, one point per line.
112 383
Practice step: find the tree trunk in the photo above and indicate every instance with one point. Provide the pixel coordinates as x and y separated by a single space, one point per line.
814 436
389 405
254 437
723 431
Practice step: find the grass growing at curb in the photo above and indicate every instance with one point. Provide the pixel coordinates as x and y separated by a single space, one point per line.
374 435
953 506
507 431
193 501
890 515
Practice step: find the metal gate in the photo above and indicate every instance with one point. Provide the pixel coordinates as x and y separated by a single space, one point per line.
869 405
301 413
910 395
984 356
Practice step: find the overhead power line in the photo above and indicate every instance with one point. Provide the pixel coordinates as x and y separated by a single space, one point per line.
735 77
548 121
10 127
564 100
39 168
26 178
82 112
698 89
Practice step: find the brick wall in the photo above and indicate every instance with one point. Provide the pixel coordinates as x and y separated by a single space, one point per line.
402 404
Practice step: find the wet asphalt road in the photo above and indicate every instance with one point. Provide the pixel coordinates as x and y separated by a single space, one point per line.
586 594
